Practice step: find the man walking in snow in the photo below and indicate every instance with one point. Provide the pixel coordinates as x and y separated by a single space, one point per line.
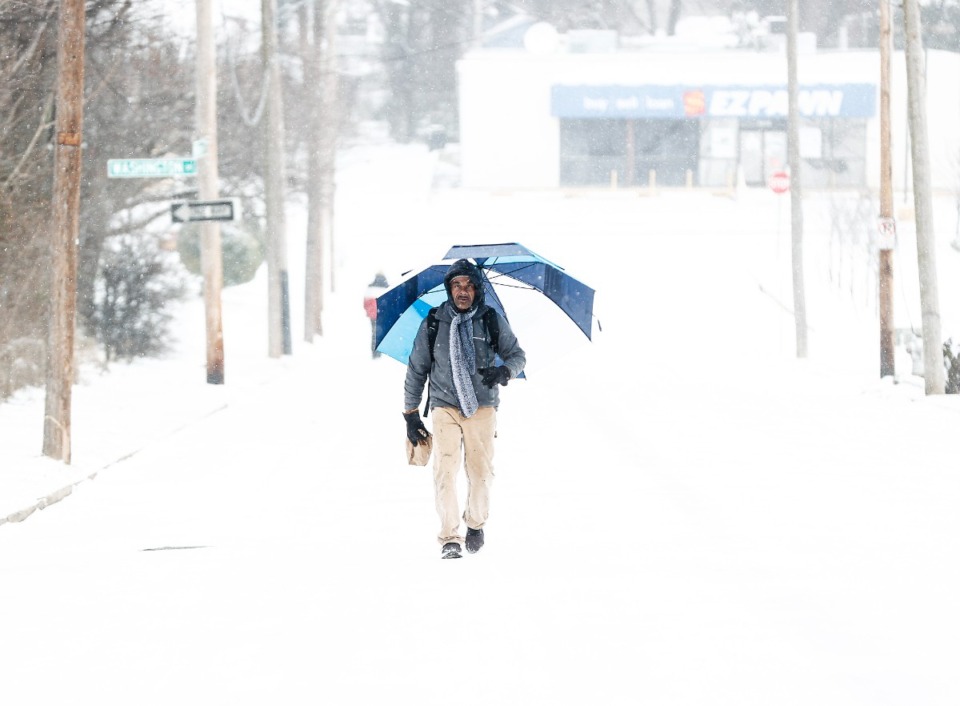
455 348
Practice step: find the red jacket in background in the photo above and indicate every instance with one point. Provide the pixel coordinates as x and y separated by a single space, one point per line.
374 290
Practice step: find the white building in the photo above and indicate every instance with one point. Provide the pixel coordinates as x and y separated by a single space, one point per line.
567 116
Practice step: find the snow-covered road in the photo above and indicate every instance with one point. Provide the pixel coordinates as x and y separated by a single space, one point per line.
683 513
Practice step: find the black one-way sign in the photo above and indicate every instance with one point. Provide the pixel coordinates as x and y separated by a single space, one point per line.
221 210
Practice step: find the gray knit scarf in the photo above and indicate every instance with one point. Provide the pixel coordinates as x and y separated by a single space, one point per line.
463 360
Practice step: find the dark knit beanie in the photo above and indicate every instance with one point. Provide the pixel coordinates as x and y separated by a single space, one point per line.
465 268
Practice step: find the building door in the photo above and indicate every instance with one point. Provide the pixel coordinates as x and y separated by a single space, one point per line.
763 151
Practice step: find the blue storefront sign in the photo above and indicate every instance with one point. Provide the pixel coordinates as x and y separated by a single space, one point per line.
848 100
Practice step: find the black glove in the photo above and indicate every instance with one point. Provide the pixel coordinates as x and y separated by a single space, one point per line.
493 376
416 432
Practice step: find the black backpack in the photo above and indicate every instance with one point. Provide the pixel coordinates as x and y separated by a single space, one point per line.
490 321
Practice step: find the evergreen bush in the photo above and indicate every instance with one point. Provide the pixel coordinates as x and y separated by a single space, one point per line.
135 283
242 251
951 362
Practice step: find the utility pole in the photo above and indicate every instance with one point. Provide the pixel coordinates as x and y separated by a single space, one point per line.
796 187
278 280
211 256
933 372
66 229
887 230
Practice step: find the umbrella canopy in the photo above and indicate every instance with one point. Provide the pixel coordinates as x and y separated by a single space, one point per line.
514 278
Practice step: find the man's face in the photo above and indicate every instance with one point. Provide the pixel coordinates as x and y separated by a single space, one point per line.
463 292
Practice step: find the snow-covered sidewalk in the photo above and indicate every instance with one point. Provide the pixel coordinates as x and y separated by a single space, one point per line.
116 412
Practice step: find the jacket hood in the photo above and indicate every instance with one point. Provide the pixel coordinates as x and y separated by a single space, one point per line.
462 268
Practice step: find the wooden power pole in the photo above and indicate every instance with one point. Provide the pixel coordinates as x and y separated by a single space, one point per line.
211 255
796 186
66 228
278 280
887 230
933 372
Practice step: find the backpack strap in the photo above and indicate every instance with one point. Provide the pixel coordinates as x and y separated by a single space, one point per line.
433 326
492 323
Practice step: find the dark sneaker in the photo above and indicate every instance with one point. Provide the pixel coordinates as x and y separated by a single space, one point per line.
474 540
451 550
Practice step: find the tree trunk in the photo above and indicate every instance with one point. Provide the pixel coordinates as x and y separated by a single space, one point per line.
887 351
278 301
329 130
674 16
311 37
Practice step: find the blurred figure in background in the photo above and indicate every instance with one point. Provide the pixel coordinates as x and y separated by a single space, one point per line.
374 290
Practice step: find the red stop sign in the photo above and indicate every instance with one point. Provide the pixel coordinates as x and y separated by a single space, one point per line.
780 182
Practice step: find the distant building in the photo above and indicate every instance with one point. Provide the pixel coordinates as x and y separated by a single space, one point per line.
580 110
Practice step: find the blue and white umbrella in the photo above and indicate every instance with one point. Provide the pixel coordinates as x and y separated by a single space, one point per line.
513 277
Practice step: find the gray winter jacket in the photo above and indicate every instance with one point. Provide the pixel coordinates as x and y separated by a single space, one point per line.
442 392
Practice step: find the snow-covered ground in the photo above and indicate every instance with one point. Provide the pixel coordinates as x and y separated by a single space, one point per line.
683 514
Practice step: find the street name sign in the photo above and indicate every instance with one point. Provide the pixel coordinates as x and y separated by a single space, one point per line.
150 168
219 210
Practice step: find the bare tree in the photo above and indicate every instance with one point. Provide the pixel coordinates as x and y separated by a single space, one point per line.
27 136
423 41
321 84
279 339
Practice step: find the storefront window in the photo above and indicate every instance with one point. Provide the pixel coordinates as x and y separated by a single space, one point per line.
598 151
670 148
590 150
842 161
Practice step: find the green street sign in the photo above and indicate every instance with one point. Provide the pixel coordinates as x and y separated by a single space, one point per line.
150 168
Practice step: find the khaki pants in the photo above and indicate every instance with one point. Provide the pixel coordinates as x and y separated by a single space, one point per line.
474 435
